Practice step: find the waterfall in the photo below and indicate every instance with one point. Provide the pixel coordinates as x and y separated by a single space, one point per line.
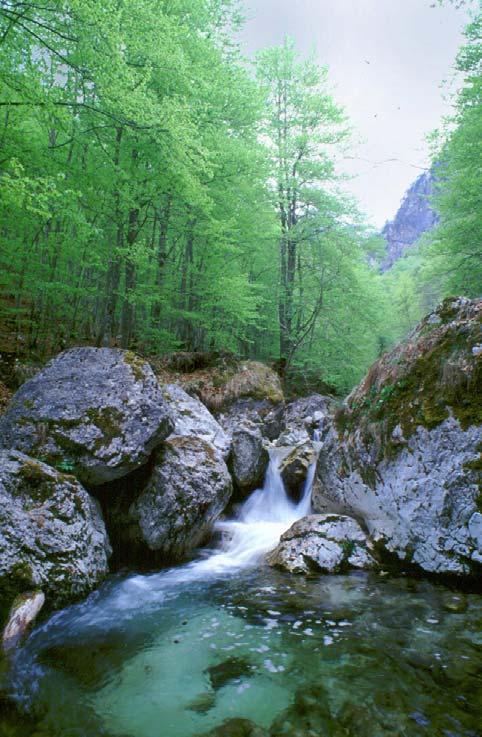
262 519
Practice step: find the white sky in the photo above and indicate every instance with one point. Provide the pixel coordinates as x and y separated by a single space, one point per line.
393 101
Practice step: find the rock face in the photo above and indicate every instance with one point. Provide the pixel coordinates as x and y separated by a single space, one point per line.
249 460
97 412
294 468
414 218
52 536
192 418
324 543
189 488
404 456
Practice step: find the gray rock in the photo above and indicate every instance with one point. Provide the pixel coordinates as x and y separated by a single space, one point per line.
98 412
52 536
306 415
295 466
249 460
253 414
403 455
192 418
323 542
189 488
420 504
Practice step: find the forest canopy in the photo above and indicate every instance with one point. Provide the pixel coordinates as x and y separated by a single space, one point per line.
161 192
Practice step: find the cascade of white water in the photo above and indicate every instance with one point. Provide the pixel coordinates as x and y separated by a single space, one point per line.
261 521
263 518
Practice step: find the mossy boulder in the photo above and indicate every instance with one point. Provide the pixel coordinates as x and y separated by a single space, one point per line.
404 452
52 536
222 381
95 412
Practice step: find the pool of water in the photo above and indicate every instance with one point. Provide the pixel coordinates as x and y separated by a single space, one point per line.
155 656
226 646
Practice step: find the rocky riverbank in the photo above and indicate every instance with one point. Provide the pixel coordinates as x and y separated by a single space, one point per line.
100 454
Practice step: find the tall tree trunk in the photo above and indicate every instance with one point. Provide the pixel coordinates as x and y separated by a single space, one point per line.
107 320
128 310
164 218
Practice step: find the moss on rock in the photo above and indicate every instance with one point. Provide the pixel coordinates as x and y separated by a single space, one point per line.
421 382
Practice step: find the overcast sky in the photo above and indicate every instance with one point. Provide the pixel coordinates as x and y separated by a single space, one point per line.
394 100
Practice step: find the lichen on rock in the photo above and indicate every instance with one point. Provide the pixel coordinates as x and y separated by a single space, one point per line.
404 452
52 536
97 412
323 543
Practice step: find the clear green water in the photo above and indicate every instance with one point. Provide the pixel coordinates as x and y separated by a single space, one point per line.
173 655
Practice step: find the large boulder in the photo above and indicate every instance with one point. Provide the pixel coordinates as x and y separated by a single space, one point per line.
97 412
404 453
249 460
191 417
324 543
52 536
295 466
189 488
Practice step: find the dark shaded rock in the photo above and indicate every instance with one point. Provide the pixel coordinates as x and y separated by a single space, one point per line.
404 456
189 488
325 543
229 670
310 714
249 460
52 536
97 412
294 468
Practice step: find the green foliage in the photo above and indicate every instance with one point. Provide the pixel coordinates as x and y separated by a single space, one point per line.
449 259
144 182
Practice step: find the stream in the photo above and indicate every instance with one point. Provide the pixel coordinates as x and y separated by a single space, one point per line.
179 652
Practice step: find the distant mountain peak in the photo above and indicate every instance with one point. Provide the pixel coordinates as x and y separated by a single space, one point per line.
414 217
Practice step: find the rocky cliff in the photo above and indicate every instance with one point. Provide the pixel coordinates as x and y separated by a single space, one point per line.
414 217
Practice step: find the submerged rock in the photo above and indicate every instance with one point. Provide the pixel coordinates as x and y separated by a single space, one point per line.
404 455
324 543
97 412
191 417
249 460
52 536
229 670
237 727
189 488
